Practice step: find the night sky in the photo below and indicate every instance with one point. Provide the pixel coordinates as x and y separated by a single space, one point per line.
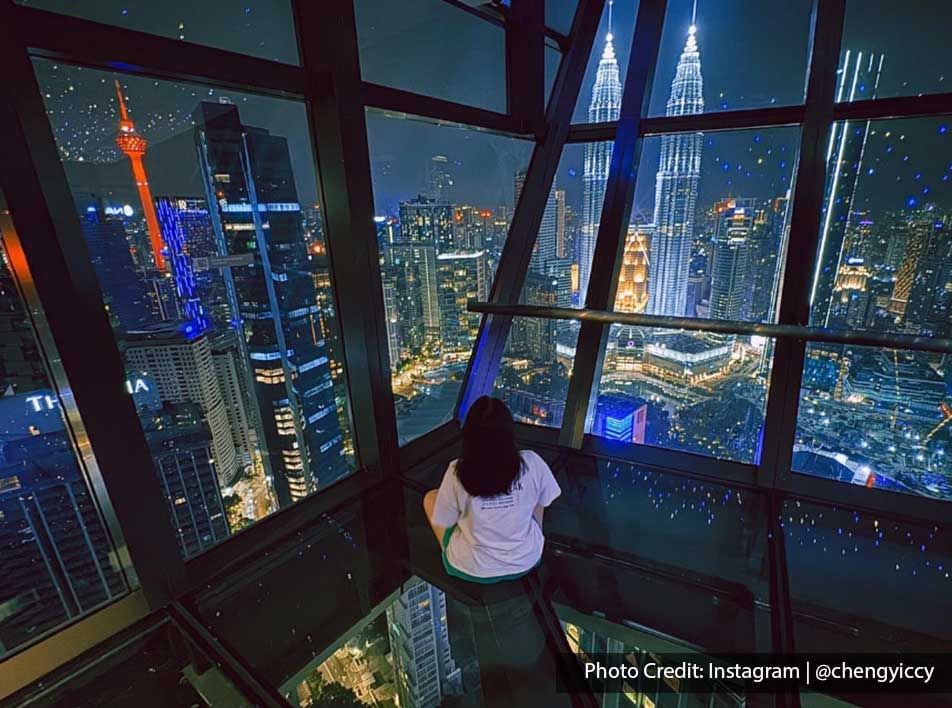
752 54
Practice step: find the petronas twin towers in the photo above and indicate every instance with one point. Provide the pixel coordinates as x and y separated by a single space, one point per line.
676 185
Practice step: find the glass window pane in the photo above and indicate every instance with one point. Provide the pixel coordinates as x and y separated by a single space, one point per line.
876 417
412 651
534 374
433 48
709 225
701 72
444 200
57 562
665 520
261 29
599 99
875 57
885 253
559 14
692 391
561 257
833 554
200 215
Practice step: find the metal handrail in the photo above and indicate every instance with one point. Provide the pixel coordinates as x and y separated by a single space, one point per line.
779 331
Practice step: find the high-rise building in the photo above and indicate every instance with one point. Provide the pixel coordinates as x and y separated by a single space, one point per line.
402 267
562 245
632 293
439 179
133 146
518 182
767 246
124 289
546 245
929 308
183 369
461 277
419 642
472 228
235 387
850 306
676 189
393 319
920 227
605 106
247 175
426 229
621 418
188 222
181 448
730 266
859 73
534 337
57 562
175 217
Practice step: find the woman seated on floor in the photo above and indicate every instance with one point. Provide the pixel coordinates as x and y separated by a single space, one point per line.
487 513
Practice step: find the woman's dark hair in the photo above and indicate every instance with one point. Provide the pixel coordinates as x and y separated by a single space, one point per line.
491 463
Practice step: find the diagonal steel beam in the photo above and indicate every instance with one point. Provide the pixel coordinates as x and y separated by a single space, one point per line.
514 262
619 194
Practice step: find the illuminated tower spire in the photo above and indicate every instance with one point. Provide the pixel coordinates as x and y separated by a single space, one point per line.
604 107
133 146
676 185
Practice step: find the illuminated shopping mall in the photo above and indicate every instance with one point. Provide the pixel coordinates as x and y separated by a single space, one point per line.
657 294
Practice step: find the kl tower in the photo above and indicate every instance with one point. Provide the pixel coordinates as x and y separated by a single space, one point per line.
134 146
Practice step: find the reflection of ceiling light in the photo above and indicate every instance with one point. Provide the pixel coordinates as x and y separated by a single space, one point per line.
841 458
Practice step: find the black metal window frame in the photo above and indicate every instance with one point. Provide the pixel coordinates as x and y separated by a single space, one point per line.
814 117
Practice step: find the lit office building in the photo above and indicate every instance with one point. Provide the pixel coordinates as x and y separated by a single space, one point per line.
175 217
621 418
921 226
182 451
124 290
461 277
247 174
183 369
420 647
730 256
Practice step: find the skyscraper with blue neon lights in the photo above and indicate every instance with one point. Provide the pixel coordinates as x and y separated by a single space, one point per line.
274 295
676 190
174 216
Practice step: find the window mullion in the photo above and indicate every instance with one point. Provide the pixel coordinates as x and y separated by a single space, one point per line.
619 193
540 175
783 395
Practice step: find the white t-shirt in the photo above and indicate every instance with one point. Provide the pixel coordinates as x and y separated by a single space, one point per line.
496 535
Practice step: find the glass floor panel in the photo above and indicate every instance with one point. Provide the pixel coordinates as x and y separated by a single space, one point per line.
356 610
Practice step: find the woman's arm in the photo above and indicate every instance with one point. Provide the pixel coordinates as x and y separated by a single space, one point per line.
537 514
